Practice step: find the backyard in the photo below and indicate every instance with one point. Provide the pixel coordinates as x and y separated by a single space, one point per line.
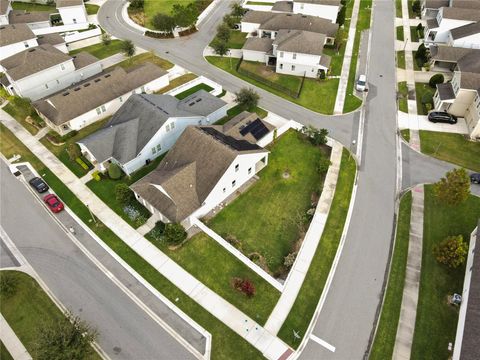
142 59
237 39
101 51
20 108
193 90
274 208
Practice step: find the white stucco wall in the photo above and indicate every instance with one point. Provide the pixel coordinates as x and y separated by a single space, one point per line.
304 64
249 27
472 41
73 14
4 18
443 30
324 11
12 49
251 55
62 47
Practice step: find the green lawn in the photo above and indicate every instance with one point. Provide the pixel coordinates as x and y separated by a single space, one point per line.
413 34
416 67
405 134
237 39
153 7
28 7
271 210
92 9
4 354
316 95
183 79
237 109
387 327
201 252
226 344
143 58
100 50
401 59
403 96
193 90
420 90
20 108
436 321
28 308
411 14
304 307
398 8
454 148
400 33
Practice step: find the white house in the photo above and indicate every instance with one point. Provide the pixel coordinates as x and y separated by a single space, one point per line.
201 170
72 11
430 8
327 9
43 70
15 38
5 9
466 36
98 97
147 126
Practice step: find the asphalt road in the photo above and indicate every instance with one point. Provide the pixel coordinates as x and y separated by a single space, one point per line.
126 331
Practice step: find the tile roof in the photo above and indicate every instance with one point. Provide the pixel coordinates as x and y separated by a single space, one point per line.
298 41
465 30
15 33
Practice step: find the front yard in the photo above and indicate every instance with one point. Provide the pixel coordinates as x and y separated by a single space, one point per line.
237 39
424 96
268 220
454 148
101 51
143 58
153 7
21 108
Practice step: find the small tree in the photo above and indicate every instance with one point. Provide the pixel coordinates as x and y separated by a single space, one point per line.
123 194
436 79
114 171
229 20
223 32
69 338
316 136
185 16
128 48
219 47
247 98
106 39
73 151
416 6
341 16
237 9
174 233
163 22
454 188
452 251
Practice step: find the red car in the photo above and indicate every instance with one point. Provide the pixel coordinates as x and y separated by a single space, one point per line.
53 202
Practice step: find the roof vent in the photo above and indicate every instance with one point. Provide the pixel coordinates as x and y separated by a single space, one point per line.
198 100
65 93
191 104
108 75
76 89
97 80
86 85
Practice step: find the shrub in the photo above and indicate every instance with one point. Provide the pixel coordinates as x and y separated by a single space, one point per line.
8 284
157 232
454 188
174 233
416 7
128 48
436 79
341 16
158 35
123 194
163 22
73 151
289 260
106 39
452 251
82 163
245 286
427 98
137 4
323 165
114 171
247 98
96 175
316 136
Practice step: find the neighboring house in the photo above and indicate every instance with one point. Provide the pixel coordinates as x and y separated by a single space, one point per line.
430 8
466 36
445 58
327 9
147 126
43 70
72 11
15 38
461 97
438 29
98 97
5 9
247 126
201 170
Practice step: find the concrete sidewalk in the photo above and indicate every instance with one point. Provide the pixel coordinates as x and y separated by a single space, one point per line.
267 343
12 342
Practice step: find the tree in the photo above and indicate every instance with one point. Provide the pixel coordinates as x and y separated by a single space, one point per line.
69 338
73 151
174 233
316 136
137 4
163 23
341 16
106 39
128 48
247 98
237 9
436 79
421 55
454 188
223 32
123 194
114 171
219 47
185 16
416 6
229 20
8 284
452 251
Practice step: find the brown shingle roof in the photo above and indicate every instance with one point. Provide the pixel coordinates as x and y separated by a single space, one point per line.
436 4
52 39
23 17
461 14
258 44
66 3
280 21
95 91
450 54
256 17
11 34
284 6
298 41
83 59
465 30
33 60
234 126
466 4
470 62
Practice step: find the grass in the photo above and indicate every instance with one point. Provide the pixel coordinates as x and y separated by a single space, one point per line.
352 102
304 307
237 109
436 321
411 14
237 39
290 82
403 96
398 8
142 59
259 3
29 7
153 7
4 354
183 79
401 59
400 33
420 90
92 9
226 344
273 208
416 67
413 34
387 327
405 134
19 109
101 51
193 90
454 148
28 308
200 252
316 95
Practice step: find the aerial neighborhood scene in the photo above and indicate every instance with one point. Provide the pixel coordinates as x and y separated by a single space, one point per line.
238 180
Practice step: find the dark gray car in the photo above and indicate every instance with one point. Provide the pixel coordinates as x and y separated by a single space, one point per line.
38 184
442 117
475 178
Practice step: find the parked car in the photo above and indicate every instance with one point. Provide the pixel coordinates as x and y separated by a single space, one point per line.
361 83
475 178
38 184
442 116
53 203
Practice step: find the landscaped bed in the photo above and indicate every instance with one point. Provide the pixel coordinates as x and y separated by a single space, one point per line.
268 221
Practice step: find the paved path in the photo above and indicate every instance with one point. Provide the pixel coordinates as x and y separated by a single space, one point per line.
271 346
347 59
12 342
408 310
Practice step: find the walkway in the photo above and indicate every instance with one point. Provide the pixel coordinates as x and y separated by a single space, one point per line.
408 311
271 346
12 342
347 58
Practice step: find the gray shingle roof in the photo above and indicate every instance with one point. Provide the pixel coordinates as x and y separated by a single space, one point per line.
466 4
66 3
278 21
436 4
23 17
465 30
190 170
258 44
95 91
461 14
450 54
432 23
14 33
298 41
445 91
52 39
256 17
284 6
33 60
470 63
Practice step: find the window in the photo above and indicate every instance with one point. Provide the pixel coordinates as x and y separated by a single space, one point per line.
99 111
234 182
26 44
154 150
74 21
281 66
172 126
159 147
121 99
293 67
103 108
167 127
237 167
294 56
224 189
62 66
46 86
249 171
142 89
281 54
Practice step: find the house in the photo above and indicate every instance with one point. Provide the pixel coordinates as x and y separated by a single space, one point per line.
202 169
72 11
445 58
430 8
327 9
147 126
43 70
466 36
292 52
5 9
15 38
247 126
98 97
461 96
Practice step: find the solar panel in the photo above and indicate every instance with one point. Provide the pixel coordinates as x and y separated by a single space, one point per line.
256 128
239 145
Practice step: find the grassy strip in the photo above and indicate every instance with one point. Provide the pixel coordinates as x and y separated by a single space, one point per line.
193 90
101 51
401 59
436 321
92 9
400 35
387 327
403 96
405 134
454 148
316 95
398 8
304 307
28 308
142 59
421 90
413 34
416 67
226 344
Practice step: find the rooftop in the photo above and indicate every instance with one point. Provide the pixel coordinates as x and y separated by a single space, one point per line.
247 126
4 6
52 39
24 17
450 54
299 22
15 33
445 91
258 44
283 6
298 41
66 3
465 30
461 14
